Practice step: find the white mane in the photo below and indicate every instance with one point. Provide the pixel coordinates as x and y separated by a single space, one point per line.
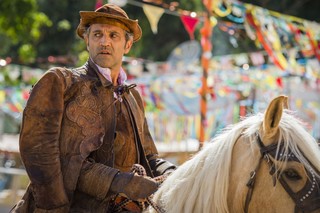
201 184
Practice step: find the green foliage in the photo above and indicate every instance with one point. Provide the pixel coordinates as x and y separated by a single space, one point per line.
20 23
193 5
61 39
64 25
19 17
83 57
39 20
27 53
9 77
5 44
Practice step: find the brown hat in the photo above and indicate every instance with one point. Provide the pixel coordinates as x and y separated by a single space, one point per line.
109 14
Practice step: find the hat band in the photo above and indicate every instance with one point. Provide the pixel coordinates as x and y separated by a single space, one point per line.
110 21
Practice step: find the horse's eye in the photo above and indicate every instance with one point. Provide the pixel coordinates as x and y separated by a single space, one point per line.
292 174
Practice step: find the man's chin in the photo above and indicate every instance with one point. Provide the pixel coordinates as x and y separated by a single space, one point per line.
102 62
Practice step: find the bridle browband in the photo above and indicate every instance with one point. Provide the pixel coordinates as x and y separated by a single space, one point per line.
307 199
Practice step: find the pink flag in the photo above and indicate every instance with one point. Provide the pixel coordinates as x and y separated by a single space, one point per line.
257 58
190 24
99 3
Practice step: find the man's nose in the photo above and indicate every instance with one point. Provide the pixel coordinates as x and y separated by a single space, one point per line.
105 41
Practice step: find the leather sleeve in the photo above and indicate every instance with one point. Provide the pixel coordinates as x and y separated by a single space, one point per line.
95 179
39 140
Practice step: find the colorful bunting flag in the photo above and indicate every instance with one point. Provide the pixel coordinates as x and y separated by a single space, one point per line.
189 24
99 3
2 96
153 14
257 58
276 60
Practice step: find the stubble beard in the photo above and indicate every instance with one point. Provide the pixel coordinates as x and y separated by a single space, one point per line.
102 60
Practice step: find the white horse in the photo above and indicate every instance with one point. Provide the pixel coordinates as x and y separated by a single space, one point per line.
265 163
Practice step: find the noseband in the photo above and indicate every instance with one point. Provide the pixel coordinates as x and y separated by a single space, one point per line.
307 199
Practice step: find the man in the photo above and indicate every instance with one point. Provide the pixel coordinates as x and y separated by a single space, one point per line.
83 129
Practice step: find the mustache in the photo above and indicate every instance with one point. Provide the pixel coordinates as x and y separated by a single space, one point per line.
105 49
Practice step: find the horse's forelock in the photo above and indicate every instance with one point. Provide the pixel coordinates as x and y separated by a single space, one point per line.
296 139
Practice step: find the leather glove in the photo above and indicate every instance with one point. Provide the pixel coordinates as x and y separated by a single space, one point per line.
134 186
95 179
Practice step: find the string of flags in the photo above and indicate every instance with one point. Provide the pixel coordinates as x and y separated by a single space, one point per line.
281 36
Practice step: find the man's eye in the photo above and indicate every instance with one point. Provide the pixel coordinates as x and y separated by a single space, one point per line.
114 35
97 34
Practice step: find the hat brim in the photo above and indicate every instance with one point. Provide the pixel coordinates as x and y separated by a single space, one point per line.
88 17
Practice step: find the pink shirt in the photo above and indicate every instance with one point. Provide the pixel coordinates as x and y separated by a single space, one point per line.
106 72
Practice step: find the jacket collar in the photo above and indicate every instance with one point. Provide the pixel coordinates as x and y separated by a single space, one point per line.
94 72
105 80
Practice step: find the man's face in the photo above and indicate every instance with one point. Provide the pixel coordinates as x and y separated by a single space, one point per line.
107 45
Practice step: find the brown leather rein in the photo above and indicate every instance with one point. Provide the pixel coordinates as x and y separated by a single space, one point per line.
307 199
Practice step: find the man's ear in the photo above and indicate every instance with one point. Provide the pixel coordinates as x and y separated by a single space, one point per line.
87 41
128 46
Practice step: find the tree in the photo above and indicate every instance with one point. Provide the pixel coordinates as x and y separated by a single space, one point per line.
61 39
20 29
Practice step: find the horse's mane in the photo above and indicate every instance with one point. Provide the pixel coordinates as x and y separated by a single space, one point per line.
201 183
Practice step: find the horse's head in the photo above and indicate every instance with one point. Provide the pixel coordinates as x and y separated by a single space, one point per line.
265 163
285 176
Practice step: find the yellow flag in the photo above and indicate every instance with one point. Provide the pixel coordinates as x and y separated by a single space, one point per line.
298 103
153 14
2 96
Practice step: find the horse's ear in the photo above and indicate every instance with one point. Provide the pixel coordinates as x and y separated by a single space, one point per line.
286 102
273 116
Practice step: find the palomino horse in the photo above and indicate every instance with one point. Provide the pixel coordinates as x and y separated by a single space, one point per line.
265 163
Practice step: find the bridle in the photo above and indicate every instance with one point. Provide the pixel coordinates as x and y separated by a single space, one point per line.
307 199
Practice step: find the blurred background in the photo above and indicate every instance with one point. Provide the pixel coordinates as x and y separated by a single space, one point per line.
200 66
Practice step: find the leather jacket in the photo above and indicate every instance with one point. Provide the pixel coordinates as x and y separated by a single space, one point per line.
69 115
